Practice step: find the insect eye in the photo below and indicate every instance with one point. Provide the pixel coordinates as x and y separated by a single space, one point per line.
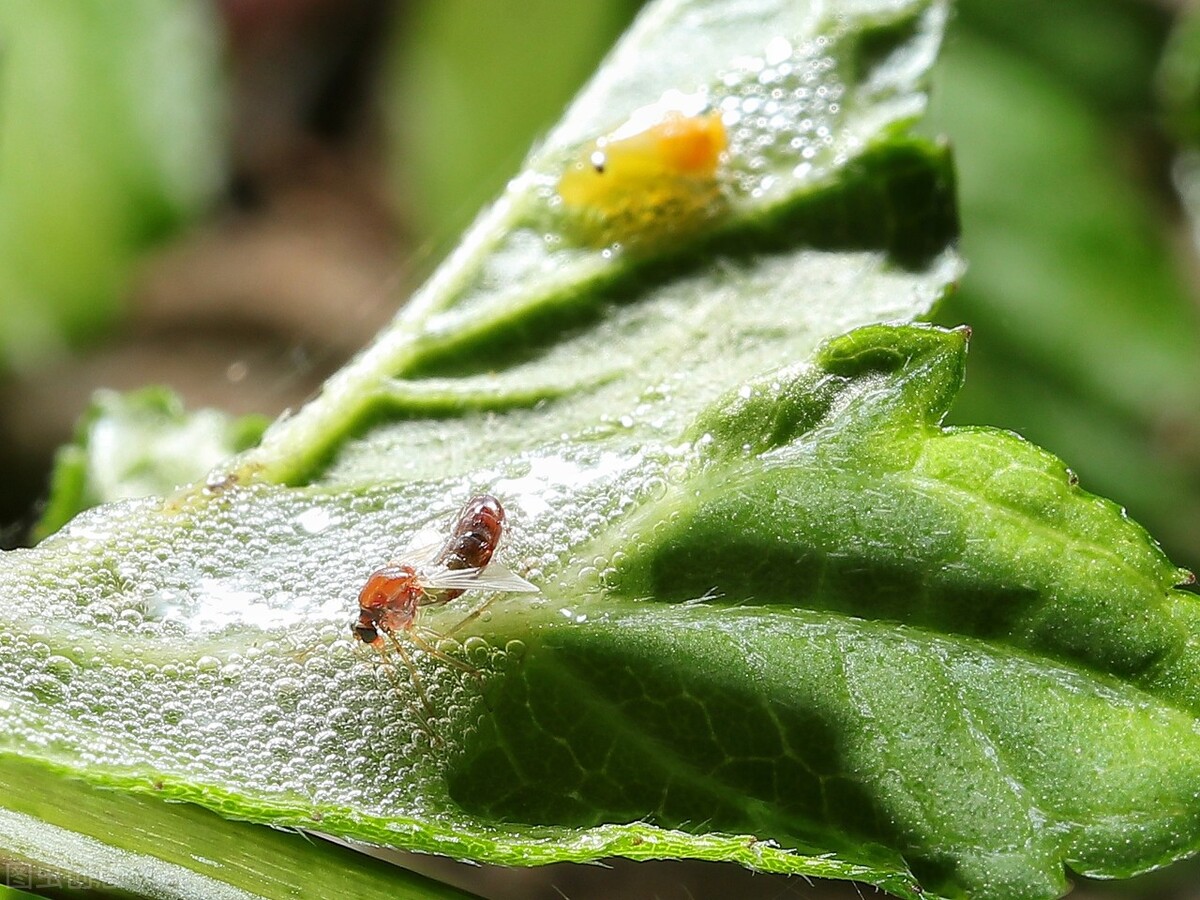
366 634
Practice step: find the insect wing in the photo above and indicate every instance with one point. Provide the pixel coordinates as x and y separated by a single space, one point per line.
423 549
493 578
499 578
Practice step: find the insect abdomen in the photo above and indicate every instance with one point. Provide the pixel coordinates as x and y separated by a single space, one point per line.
475 535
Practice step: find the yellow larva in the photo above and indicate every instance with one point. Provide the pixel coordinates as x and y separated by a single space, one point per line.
660 181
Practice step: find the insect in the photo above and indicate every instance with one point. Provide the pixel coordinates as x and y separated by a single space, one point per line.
645 181
389 602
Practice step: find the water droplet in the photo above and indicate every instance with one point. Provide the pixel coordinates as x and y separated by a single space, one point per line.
61 668
45 687
778 50
314 520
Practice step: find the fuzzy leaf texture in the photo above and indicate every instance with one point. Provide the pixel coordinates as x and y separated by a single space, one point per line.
784 617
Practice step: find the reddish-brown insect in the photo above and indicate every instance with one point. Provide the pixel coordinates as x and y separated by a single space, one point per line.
432 576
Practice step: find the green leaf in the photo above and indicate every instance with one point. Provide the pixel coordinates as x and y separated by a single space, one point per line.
8 893
110 115
946 515
139 444
784 617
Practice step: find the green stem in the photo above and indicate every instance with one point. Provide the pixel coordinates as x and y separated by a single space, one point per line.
58 832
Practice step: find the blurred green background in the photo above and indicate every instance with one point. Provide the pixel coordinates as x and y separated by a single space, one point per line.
231 198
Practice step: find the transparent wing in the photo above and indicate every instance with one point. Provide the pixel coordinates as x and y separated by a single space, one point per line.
493 578
422 550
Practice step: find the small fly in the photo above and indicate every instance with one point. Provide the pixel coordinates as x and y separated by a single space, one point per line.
433 576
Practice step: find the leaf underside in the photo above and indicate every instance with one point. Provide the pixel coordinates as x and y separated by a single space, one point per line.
785 617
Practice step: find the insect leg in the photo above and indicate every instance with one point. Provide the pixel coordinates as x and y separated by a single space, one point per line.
389 669
473 614
433 651
407 659
445 657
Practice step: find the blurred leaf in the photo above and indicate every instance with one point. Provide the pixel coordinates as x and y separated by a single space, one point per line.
1088 340
1104 51
110 135
472 83
1179 92
59 832
140 444
1179 79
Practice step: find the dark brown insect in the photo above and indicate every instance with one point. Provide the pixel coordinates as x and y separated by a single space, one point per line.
389 601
